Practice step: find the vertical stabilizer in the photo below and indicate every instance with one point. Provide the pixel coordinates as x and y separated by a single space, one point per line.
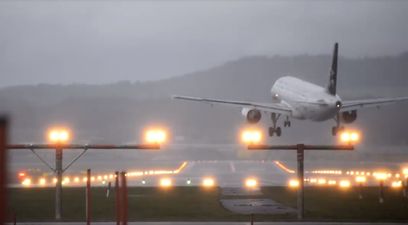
333 72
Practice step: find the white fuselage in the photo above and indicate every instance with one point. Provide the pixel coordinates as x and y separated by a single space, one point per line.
308 101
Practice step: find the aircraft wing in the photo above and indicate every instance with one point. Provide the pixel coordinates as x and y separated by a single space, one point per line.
266 107
365 103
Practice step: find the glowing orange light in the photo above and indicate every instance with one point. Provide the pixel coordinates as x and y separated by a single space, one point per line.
361 179
251 136
332 182
293 183
165 182
208 182
66 180
42 181
283 167
58 135
405 172
344 184
381 176
251 183
26 182
396 184
156 136
321 181
349 136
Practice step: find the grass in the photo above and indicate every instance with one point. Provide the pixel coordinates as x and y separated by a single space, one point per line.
196 204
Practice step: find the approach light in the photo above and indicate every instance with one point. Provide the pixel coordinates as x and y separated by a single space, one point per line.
251 183
405 172
26 182
58 135
321 181
349 137
331 182
42 181
396 184
251 136
21 174
293 183
361 179
344 184
208 182
165 182
380 176
155 136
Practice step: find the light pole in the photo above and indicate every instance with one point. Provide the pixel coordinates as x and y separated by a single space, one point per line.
300 148
59 137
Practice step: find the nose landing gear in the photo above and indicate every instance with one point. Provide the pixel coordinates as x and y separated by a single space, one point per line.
287 122
274 129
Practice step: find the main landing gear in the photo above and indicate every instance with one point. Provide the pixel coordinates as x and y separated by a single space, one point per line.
287 122
338 128
274 129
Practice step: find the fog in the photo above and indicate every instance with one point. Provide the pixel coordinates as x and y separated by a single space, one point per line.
98 42
106 69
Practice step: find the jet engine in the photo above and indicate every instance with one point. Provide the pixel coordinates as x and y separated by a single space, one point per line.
252 115
349 116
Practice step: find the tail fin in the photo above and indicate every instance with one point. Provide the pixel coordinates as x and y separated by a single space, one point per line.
333 72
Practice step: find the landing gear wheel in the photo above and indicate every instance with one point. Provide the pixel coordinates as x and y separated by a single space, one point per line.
278 131
289 124
334 131
271 131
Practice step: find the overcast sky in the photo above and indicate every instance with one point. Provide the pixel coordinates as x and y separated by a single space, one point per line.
102 41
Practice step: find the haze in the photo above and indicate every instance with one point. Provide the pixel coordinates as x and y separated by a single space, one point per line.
102 42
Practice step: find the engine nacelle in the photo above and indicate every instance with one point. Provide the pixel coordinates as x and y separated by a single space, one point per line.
349 116
252 115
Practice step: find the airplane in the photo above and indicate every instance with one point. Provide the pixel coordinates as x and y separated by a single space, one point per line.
302 100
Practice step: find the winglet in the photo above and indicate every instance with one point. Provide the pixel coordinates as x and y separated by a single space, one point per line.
331 88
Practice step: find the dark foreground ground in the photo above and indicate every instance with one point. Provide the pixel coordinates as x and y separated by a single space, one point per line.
197 204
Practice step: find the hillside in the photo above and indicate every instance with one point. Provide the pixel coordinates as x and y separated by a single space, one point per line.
115 112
